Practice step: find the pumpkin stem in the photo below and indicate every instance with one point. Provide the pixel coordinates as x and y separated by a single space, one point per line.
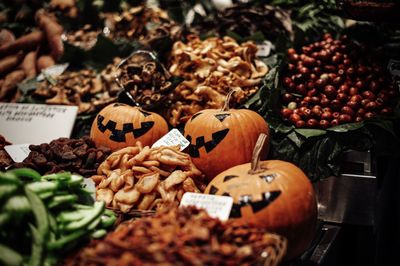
256 158
227 100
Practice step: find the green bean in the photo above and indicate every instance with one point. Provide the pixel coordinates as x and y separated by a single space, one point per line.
17 204
99 233
76 180
4 218
98 208
43 186
62 199
62 176
40 234
9 178
26 172
65 240
65 217
7 190
9 256
107 221
94 224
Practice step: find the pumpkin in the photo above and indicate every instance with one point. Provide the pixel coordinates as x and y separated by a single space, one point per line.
220 139
274 195
119 125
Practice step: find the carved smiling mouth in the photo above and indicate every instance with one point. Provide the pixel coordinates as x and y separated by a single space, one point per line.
217 137
127 128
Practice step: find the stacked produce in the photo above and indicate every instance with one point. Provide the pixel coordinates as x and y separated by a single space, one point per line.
184 236
85 37
5 159
72 155
43 217
145 78
334 82
146 178
25 57
247 19
211 68
84 88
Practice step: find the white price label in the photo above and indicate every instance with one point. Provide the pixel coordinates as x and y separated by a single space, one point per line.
18 152
264 49
172 138
216 206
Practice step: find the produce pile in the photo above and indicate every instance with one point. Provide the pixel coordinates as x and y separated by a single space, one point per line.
334 82
210 69
44 217
184 236
79 156
5 159
146 178
25 57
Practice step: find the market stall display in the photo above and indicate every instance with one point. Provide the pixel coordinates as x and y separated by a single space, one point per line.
180 237
272 194
146 178
45 216
79 156
313 84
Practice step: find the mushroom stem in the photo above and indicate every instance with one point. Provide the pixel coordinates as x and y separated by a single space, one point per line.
227 100
256 157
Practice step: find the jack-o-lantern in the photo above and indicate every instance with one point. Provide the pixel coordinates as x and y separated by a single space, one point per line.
274 195
220 139
119 125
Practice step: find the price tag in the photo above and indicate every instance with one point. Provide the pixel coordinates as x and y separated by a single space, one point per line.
394 67
172 138
18 152
216 206
36 123
264 49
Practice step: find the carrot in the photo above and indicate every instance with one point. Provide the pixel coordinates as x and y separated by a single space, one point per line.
29 65
44 62
10 82
6 36
53 32
8 63
27 42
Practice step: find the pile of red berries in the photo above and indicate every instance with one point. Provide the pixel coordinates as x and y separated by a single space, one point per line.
334 82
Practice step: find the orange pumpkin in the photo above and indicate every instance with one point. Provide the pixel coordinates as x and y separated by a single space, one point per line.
220 139
274 195
119 125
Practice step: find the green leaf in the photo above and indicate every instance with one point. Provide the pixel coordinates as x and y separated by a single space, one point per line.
346 127
308 133
295 139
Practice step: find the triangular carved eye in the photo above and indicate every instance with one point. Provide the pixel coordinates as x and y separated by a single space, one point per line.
229 177
213 190
221 117
146 114
194 116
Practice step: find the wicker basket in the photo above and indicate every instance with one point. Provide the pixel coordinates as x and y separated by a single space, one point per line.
371 10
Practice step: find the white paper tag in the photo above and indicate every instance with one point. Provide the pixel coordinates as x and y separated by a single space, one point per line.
53 71
18 152
36 123
216 206
394 67
172 138
90 187
264 49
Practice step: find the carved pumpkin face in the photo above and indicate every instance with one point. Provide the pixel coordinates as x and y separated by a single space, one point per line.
120 125
222 139
279 198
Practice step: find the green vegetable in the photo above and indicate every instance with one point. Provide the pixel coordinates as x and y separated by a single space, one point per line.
99 233
7 190
93 214
18 204
107 221
65 240
9 178
42 186
62 199
9 256
26 172
40 233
